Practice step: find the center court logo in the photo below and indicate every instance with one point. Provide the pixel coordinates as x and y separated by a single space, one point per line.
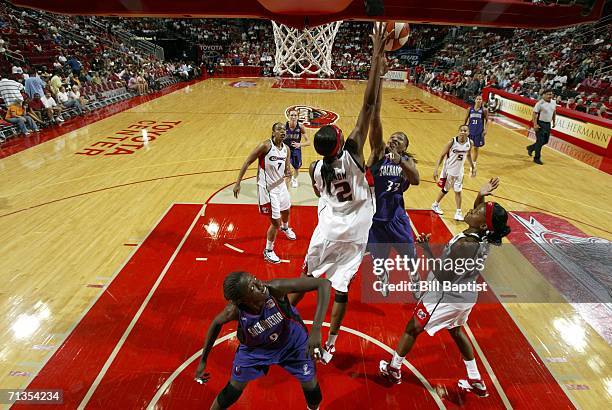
312 117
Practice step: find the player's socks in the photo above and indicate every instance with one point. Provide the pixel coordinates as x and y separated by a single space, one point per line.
472 369
269 245
396 361
284 225
331 339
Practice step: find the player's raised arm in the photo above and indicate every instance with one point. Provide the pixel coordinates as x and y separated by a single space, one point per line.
360 132
486 189
228 314
260 150
377 145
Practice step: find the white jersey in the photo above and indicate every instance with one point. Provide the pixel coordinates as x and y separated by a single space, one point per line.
271 169
453 166
345 214
462 276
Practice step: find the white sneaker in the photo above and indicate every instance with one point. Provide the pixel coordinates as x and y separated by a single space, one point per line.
289 233
294 183
270 256
436 208
458 215
389 372
328 353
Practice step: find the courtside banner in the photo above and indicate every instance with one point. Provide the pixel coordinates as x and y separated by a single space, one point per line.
396 75
584 130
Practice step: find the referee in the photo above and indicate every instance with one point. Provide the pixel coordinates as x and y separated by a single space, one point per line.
544 113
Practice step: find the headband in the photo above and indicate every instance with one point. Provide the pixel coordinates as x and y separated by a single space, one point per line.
338 141
489 215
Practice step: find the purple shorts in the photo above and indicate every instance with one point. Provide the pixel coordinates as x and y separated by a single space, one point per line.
295 158
478 140
253 363
396 234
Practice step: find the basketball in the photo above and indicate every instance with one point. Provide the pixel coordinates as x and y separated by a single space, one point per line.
401 33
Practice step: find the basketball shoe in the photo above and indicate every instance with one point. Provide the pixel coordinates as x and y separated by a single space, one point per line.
270 256
389 372
472 385
294 182
436 208
289 233
458 215
328 353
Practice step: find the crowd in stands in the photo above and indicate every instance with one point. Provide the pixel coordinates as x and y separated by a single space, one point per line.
575 62
54 67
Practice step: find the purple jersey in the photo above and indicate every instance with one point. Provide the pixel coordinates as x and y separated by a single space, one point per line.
292 135
476 120
389 187
269 328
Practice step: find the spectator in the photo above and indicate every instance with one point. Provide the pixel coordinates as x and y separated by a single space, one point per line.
65 101
36 108
75 94
55 83
75 66
10 90
34 85
52 109
15 114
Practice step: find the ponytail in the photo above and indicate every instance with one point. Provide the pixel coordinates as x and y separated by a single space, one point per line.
328 173
497 219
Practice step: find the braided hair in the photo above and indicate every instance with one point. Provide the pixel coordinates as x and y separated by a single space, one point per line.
326 143
497 223
232 286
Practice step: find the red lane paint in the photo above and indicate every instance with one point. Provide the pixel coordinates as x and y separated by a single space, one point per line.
18 144
173 325
520 371
75 365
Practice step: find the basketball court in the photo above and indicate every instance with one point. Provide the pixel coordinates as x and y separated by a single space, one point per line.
120 228
117 254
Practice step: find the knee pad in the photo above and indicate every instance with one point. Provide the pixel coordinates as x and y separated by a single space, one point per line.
314 396
444 191
228 396
341 297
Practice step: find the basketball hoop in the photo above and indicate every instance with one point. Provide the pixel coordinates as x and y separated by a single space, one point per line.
306 51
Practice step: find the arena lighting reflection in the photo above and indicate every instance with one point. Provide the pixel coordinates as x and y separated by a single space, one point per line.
213 229
25 325
572 333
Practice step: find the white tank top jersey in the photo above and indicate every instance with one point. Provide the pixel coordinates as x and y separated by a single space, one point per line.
453 166
440 296
346 214
271 169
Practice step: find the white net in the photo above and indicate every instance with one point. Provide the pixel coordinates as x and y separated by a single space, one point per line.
306 51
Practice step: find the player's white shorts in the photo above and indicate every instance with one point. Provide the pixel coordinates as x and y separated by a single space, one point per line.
339 261
442 316
274 201
454 181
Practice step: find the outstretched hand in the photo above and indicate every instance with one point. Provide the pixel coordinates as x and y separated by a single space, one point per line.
201 376
314 343
489 187
379 38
